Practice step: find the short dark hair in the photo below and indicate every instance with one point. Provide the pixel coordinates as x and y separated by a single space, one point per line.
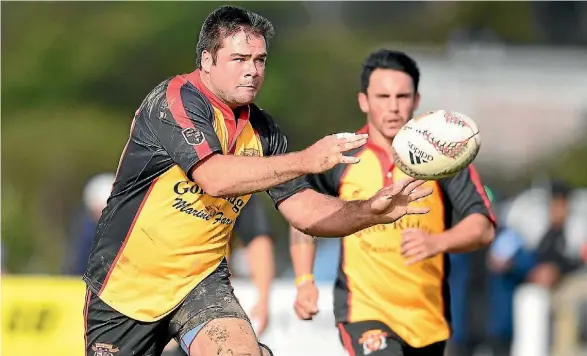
560 189
388 59
227 20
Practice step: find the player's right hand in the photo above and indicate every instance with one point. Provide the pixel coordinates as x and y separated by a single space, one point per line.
306 303
328 152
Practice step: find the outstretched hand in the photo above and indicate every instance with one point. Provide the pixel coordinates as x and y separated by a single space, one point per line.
329 151
391 203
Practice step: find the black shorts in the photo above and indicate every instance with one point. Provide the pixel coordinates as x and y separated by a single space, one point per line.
377 339
111 333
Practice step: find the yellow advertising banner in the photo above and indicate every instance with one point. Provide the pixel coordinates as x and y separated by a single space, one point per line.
42 315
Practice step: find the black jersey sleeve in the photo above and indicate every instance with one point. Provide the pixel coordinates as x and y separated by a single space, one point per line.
181 120
466 195
328 182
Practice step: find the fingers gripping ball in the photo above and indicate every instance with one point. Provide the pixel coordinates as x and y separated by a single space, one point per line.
436 145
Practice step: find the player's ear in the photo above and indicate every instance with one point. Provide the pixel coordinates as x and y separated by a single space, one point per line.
363 102
207 61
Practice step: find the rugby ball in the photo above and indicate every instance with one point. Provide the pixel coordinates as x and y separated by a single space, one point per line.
436 145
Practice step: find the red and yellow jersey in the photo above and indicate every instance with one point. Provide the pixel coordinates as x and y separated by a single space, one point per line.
373 282
161 234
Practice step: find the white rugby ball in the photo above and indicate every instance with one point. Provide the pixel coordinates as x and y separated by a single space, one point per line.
436 145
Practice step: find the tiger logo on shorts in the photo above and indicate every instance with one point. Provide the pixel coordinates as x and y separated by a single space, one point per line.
101 349
373 340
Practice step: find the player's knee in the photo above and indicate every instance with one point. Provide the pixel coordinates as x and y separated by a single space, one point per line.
233 348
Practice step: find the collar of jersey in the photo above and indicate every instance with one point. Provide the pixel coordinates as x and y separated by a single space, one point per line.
379 151
196 80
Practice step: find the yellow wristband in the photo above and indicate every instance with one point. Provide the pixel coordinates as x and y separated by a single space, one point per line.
304 279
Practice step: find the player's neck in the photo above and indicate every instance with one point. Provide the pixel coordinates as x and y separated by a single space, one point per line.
378 139
205 79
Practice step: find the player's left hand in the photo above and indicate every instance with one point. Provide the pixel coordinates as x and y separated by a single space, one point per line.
418 245
260 317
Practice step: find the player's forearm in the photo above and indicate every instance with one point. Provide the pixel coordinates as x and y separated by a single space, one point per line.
227 175
302 248
262 265
472 233
332 217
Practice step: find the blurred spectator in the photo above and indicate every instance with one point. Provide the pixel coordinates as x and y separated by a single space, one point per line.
509 263
551 253
95 195
556 253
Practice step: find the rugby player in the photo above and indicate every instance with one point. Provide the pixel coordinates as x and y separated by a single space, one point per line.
390 295
198 148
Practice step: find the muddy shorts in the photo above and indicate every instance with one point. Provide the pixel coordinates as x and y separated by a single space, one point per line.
109 332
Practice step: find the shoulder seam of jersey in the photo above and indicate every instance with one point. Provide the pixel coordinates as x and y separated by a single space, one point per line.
255 110
207 102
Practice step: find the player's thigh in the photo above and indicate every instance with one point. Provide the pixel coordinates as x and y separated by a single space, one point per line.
369 338
211 320
108 332
226 336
